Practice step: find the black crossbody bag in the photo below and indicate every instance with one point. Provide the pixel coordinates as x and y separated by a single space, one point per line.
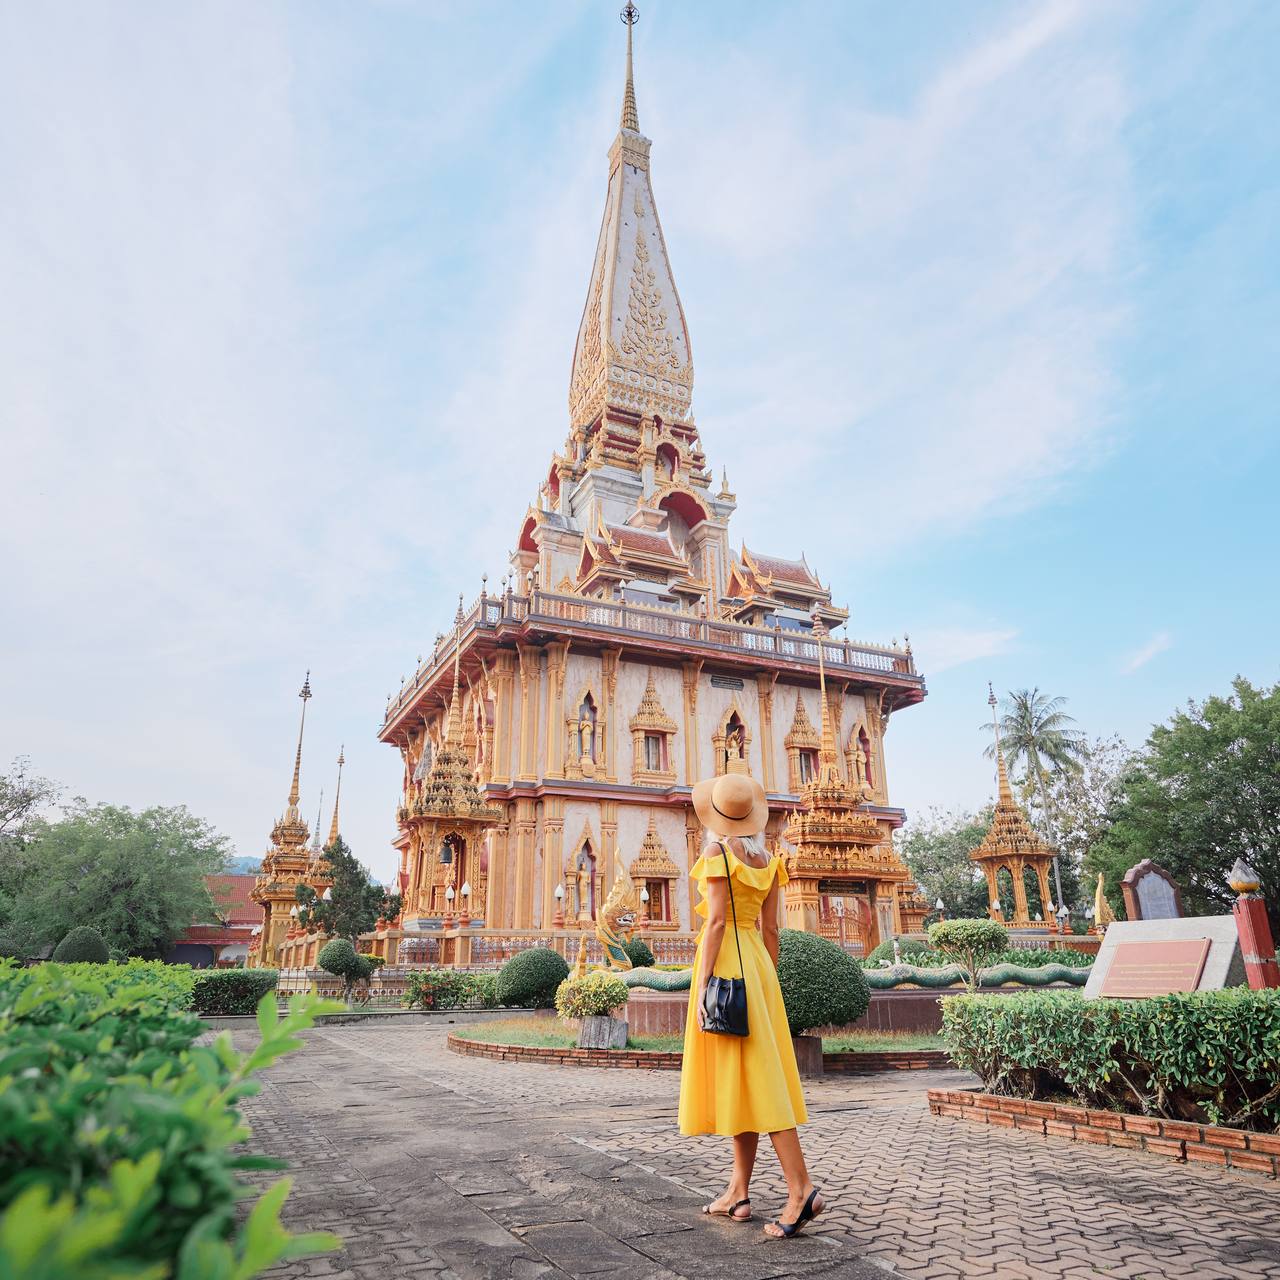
724 1003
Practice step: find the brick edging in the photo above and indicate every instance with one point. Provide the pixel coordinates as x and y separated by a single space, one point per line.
660 1060
1178 1140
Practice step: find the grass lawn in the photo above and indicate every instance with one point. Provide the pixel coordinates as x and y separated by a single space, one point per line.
551 1033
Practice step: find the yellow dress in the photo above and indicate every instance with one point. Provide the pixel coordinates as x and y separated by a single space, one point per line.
741 1084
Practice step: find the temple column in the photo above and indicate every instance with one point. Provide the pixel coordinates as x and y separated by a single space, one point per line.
552 854
692 746
1046 898
993 888
503 714
609 670
557 665
526 829
500 914
1020 912
608 843
530 674
765 681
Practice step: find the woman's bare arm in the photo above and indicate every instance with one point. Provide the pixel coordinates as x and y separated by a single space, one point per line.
713 935
769 922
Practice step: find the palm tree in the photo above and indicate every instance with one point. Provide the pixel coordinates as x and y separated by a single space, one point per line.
1036 733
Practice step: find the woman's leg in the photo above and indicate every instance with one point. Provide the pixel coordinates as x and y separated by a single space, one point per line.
786 1142
744 1163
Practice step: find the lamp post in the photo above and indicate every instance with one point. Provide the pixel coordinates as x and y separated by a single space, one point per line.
643 921
1064 915
996 913
1256 945
941 908
447 922
465 919
838 907
557 921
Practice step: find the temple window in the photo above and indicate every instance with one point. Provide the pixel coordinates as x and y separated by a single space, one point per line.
801 745
659 906
808 761
652 732
654 760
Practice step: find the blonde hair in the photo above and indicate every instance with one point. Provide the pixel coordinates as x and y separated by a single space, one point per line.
754 845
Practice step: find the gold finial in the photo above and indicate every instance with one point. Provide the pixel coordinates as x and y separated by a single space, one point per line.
630 15
1002 774
337 796
315 839
305 694
827 755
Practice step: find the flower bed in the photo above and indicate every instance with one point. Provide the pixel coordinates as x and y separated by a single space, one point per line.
1210 1057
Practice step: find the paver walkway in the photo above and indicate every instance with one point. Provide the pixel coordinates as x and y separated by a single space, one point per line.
430 1164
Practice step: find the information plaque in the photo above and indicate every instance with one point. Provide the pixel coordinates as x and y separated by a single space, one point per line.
1155 968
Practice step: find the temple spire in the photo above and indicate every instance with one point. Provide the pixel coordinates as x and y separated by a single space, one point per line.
337 796
1002 774
630 117
827 757
304 694
453 728
315 838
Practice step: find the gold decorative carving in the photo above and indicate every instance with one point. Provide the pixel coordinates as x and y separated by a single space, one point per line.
651 718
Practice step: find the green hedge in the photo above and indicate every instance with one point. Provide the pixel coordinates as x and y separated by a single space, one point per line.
821 984
1023 957
530 978
230 991
1211 1056
122 1146
451 989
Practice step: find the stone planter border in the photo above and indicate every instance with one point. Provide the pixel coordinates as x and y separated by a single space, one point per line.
1174 1139
659 1060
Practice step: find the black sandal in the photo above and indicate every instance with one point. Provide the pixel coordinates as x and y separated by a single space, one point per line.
807 1214
731 1212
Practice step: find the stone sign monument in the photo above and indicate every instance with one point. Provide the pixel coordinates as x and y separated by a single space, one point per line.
1150 893
1158 957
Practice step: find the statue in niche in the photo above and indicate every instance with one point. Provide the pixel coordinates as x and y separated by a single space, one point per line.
587 737
582 885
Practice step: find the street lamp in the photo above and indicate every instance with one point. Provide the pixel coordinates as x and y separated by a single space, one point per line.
448 907
838 907
465 921
327 895
643 921
1063 916
558 920
941 908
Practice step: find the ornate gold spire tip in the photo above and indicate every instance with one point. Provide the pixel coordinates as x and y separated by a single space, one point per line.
305 694
630 15
337 796
1002 774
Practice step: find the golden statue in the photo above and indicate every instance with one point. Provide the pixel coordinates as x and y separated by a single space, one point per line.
616 919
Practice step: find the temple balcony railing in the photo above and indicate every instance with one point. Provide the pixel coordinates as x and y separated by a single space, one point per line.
617 619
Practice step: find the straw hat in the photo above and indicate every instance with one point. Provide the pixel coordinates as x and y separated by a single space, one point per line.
731 805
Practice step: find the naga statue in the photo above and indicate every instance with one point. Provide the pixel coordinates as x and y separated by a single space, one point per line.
616 919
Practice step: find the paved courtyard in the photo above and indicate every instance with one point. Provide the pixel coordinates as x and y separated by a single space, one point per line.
431 1164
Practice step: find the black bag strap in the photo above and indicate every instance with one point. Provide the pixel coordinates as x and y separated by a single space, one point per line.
728 875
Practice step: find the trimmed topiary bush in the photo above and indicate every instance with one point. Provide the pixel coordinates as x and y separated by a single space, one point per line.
593 996
640 953
821 984
231 991
908 948
451 989
82 945
530 978
340 958
969 943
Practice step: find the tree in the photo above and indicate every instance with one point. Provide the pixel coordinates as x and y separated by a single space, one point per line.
23 798
937 847
139 878
1204 791
352 904
969 943
1037 736
340 958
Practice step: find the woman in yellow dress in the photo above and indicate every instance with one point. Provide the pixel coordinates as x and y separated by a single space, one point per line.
743 1086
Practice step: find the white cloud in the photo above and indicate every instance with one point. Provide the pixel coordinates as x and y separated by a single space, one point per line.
939 649
1139 658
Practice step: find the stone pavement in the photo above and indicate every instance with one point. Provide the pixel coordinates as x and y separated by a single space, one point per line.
431 1164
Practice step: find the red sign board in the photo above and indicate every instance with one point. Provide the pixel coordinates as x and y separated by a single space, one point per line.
1155 968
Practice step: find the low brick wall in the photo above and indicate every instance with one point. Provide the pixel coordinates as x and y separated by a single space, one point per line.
650 1059
1176 1139
658 1060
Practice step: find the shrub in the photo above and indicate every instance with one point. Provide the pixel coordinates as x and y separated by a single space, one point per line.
340 958
122 1142
821 984
451 989
968 943
639 953
593 996
231 991
908 948
530 978
116 955
83 944
10 948
1210 1055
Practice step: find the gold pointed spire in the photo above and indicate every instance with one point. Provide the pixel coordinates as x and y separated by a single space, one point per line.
1002 774
453 728
630 15
304 694
337 796
827 757
315 838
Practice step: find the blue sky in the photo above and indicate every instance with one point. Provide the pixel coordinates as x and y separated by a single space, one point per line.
983 305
